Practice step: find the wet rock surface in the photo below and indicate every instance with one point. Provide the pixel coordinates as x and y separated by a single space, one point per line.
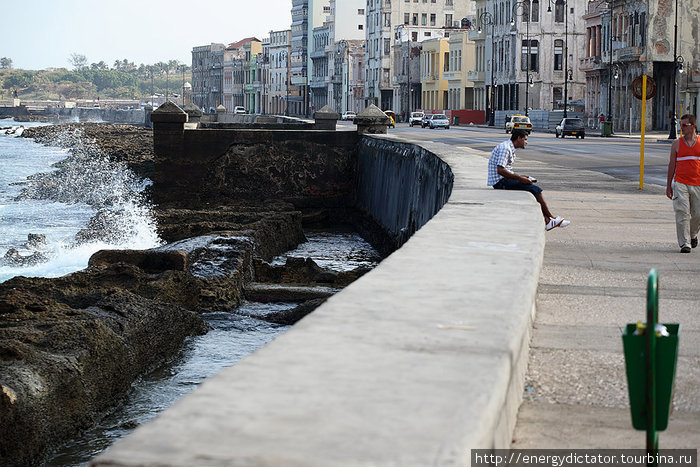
70 347
62 364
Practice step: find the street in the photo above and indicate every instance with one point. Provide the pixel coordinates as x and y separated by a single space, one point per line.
616 156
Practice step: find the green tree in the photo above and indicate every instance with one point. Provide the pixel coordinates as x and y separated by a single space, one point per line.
78 61
99 66
6 63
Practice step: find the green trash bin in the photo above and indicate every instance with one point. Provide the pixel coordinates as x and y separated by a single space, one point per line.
635 363
607 128
455 120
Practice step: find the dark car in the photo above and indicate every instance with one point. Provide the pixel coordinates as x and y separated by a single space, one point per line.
570 127
426 120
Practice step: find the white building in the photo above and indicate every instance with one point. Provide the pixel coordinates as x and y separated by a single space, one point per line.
423 18
278 89
346 34
551 34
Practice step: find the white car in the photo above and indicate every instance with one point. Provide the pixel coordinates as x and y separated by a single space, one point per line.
349 115
239 109
416 118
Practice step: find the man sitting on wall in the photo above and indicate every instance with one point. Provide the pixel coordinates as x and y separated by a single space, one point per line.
502 177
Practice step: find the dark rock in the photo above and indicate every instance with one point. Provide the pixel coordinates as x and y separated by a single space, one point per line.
150 261
35 241
266 292
14 258
291 316
62 367
305 271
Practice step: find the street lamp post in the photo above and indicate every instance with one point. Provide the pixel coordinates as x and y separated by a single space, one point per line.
568 75
610 71
399 35
487 19
524 7
182 68
672 130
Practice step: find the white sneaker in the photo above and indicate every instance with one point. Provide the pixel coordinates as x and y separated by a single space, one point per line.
553 222
562 222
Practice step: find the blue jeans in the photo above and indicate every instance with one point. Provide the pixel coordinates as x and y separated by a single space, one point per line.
509 184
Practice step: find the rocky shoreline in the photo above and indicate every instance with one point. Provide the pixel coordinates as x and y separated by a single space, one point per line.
70 347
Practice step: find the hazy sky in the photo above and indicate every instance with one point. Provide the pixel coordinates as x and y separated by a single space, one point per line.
38 34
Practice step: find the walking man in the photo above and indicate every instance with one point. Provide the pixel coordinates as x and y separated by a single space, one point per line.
683 183
502 177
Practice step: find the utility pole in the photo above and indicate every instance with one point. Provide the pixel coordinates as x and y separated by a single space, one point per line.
672 129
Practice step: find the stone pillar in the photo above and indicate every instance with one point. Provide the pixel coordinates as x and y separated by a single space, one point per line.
168 142
372 121
220 110
147 111
326 118
194 114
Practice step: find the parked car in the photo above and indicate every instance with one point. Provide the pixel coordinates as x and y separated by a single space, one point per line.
392 116
415 118
518 122
571 127
426 120
349 115
239 110
439 121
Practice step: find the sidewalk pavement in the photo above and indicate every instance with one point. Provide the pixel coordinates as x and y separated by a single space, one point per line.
592 283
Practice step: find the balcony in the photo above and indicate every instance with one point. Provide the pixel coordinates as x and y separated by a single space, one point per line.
475 35
591 63
451 75
475 76
299 80
629 54
318 53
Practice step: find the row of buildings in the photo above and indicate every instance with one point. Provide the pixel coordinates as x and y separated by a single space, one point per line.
443 55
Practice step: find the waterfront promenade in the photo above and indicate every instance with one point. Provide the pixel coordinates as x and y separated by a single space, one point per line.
593 281
420 361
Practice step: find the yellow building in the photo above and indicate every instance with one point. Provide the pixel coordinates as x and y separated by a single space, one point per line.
434 61
460 91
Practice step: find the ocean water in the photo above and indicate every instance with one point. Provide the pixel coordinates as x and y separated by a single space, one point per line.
87 188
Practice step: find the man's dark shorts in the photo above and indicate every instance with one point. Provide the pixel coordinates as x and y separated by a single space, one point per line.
509 184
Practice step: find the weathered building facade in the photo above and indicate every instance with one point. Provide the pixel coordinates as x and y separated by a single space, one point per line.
207 76
279 88
431 18
626 39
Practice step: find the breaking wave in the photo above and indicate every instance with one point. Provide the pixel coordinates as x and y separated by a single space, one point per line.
113 201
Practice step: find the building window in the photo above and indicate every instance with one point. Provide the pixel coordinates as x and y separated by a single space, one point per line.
559 11
424 19
432 19
360 27
558 54
426 34
533 55
414 36
387 46
415 19
361 11
448 21
406 18
535 11
556 98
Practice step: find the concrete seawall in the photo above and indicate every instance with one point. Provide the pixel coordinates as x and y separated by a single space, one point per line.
416 363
